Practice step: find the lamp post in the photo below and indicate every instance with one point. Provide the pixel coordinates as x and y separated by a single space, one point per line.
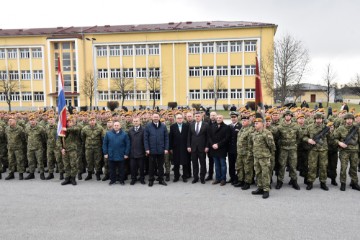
95 76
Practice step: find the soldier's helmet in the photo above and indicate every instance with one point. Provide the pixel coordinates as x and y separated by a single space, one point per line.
288 112
318 115
349 115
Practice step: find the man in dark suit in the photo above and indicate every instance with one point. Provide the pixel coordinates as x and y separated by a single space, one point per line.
235 127
137 151
197 145
178 147
211 122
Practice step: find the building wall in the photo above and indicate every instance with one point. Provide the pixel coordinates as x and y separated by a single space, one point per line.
320 96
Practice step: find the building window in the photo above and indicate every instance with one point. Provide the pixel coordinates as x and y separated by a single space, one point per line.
128 72
14 75
235 70
74 61
221 47
157 95
222 94
236 93
103 95
250 93
66 61
2 53
15 96
25 75
67 83
75 83
208 47
194 94
102 73
154 72
194 48
129 95
2 97
194 71
36 52
24 53
114 50
235 46
101 51
141 72
26 96
154 49
12 53
250 69
114 95
3 75
207 71
141 95
208 94
115 73
66 45
38 96
56 61
140 49
38 74
250 46
127 50
222 70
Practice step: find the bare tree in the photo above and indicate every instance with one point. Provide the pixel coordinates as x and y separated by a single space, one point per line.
285 66
125 85
216 86
329 80
8 86
89 86
354 85
153 82
297 91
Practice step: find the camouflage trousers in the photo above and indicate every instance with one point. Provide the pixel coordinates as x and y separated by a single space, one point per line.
345 158
167 161
16 160
70 163
240 162
53 156
3 158
317 162
262 171
93 159
287 156
249 170
81 160
35 157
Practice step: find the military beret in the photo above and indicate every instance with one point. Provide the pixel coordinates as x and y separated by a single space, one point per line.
51 116
268 118
12 117
32 117
274 112
334 111
318 115
258 120
288 112
329 124
252 114
92 118
162 120
357 115
348 115
109 120
233 113
300 116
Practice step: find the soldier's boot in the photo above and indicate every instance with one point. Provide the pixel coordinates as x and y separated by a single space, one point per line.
21 176
106 177
73 181
89 176
265 195
246 186
295 185
57 170
79 176
258 191
343 187
0 175
30 176
324 187
50 176
10 176
309 186
291 182
61 176
239 184
333 182
67 181
42 176
278 184
167 177
98 176
355 186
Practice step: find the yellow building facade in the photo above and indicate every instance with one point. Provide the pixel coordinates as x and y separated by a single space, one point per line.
188 61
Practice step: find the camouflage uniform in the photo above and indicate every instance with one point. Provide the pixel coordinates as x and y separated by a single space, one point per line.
3 159
35 141
92 138
70 158
81 159
248 161
242 153
15 137
53 150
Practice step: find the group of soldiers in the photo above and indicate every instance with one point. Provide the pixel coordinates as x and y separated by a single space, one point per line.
268 144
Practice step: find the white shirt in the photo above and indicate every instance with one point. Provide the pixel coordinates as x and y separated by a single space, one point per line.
200 123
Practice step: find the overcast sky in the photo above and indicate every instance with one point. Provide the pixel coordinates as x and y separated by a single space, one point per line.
330 29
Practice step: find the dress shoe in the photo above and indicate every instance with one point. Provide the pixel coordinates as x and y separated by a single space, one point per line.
122 183
151 183
73 181
309 186
291 182
61 176
10 176
239 184
194 181
333 182
215 182
246 186
79 176
278 185
343 187
223 183
324 187
111 183
42 176
98 176
142 182
21 176
295 185
234 182
88 177
67 181
106 177
163 183
258 191
355 186
50 176
209 178
176 180
184 179
132 182
265 195
202 181
30 176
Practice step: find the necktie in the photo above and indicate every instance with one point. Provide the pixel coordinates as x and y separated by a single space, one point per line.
179 128
136 129
197 128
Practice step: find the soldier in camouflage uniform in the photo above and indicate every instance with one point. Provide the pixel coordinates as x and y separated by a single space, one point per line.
261 148
272 129
332 155
302 150
318 158
348 152
92 136
168 157
106 163
53 150
248 161
15 138
289 134
69 150
35 135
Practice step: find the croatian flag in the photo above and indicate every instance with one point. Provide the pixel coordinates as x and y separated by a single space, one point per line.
61 103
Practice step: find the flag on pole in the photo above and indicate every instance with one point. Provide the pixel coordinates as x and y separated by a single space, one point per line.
258 90
61 103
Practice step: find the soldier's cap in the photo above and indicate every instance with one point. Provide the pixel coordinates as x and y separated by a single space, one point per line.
352 109
233 113
300 116
329 124
357 115
12 117
92 118
32 117
252 114
69 118
270 111
109 120
242 109
343 111
320 110
258 120
274 112
334 111
318 115
162 120
288 112
348 115
50 116
246 112
268 118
